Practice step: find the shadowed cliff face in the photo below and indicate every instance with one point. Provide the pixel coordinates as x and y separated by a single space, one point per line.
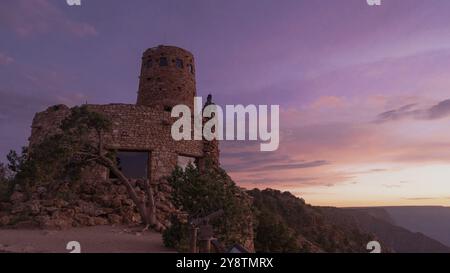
432 221
327 229
391 236
308 226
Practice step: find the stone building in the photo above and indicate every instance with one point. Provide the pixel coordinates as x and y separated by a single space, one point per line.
141 132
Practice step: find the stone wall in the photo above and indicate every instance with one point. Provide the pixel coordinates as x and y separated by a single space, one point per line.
89 203
134 128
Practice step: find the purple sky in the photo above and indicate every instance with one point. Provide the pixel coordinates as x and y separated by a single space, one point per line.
362 89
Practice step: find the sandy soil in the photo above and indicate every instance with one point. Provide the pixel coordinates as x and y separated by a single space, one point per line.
98 239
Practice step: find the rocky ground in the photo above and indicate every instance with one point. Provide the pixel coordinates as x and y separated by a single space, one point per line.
80 205
98 239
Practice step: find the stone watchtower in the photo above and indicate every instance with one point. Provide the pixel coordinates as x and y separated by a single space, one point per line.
167 78
141 135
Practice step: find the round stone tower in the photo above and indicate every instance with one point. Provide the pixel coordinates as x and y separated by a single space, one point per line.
167 78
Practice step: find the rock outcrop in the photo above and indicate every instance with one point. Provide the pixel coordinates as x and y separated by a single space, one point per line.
83 204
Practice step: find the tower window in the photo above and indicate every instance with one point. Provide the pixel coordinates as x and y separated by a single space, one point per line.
179 63
163 61
184 161
149 63
191 68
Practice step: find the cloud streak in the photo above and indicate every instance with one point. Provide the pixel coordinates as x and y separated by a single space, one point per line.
425 198
27 18
437 111
5 59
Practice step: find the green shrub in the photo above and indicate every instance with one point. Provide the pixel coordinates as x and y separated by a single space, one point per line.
6 185
274 236
60 157
202 193
177 236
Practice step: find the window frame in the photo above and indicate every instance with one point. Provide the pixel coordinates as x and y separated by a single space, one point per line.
194 158
147 166
179 63
191 68
163 62
149 63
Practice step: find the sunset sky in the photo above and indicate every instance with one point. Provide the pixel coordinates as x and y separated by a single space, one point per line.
364 92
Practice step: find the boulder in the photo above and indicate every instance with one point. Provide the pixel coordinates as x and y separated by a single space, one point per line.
100 221
87 208
19 208
5 206
116 202
26 224
5 220
51 210
34 207
17 197
59 203
100 212
82 219
127 202
41 190
58 223
114 219
42 220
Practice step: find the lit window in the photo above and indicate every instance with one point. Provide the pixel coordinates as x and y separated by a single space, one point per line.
163 61
184 161
179 63
191 68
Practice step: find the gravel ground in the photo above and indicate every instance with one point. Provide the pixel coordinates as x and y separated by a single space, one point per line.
100 239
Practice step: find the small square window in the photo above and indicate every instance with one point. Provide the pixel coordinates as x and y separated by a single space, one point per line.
179 63
184 161
163 61
149 63
191 68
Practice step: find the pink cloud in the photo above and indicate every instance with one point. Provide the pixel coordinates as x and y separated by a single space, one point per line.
316 151
5 59
26 18
328 102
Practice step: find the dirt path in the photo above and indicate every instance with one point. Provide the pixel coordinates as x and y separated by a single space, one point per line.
92 240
